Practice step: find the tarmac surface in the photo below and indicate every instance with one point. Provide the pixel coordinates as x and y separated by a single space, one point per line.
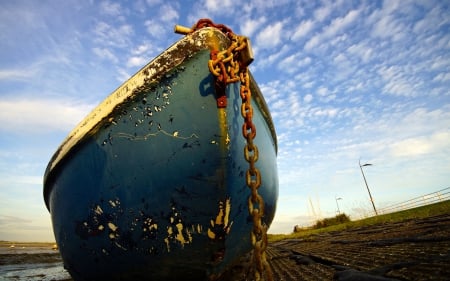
415 249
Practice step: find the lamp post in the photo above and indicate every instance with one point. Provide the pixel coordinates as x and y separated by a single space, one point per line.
365 181
338 198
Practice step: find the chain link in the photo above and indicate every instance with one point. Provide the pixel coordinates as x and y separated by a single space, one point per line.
229 67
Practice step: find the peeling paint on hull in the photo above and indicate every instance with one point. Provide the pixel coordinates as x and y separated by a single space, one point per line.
153 187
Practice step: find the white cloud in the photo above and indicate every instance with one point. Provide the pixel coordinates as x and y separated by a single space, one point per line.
439 63
115 36
112 9
139 50
322 91
168 14
137 61
422 145
432 21
313 42
397 82
338 24
292 63
155 28
302 29
270 36
8 180
142 54
324 112
122 75
289 64
308 98
35 68
335 28
105 54
362 50
12 74
271 58
323 12
154 2
389 27
217 5
249 26
442 77
24 116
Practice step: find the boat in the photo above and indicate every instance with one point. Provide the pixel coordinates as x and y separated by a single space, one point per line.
174 174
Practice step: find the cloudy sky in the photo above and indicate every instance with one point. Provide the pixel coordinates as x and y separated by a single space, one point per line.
344 80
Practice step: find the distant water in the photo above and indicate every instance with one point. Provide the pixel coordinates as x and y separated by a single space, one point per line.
31 263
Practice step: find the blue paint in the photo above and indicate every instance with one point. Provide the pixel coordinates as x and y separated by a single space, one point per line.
135 200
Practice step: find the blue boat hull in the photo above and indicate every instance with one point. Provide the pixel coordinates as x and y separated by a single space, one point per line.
156 189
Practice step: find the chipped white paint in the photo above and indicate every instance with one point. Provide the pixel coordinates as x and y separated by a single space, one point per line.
222 220
120 246
179 235
114 203
227 140
112 226
166 240
211 234
98 210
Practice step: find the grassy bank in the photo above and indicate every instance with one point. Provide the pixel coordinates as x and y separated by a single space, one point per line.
420 212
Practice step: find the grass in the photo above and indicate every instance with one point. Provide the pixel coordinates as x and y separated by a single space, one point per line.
326 222
415 213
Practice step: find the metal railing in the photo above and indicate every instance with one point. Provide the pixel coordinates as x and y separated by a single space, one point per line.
430 198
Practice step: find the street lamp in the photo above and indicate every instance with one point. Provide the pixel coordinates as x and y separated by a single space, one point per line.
338 198
370 195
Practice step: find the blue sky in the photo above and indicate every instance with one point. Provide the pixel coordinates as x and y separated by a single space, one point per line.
344 80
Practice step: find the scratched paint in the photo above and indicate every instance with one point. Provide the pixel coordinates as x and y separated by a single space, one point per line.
221 226
150 117
104 220
147 114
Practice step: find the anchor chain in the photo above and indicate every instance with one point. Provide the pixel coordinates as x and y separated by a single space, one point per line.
231 66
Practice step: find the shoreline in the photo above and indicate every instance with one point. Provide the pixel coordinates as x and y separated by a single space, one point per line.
19 245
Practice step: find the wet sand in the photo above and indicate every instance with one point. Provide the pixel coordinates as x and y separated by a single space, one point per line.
31 262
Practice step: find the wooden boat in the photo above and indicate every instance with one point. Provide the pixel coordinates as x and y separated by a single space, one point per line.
151 185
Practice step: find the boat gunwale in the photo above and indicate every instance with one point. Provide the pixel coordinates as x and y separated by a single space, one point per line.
141 81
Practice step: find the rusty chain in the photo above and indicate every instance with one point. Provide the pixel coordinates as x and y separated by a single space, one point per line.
230 66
